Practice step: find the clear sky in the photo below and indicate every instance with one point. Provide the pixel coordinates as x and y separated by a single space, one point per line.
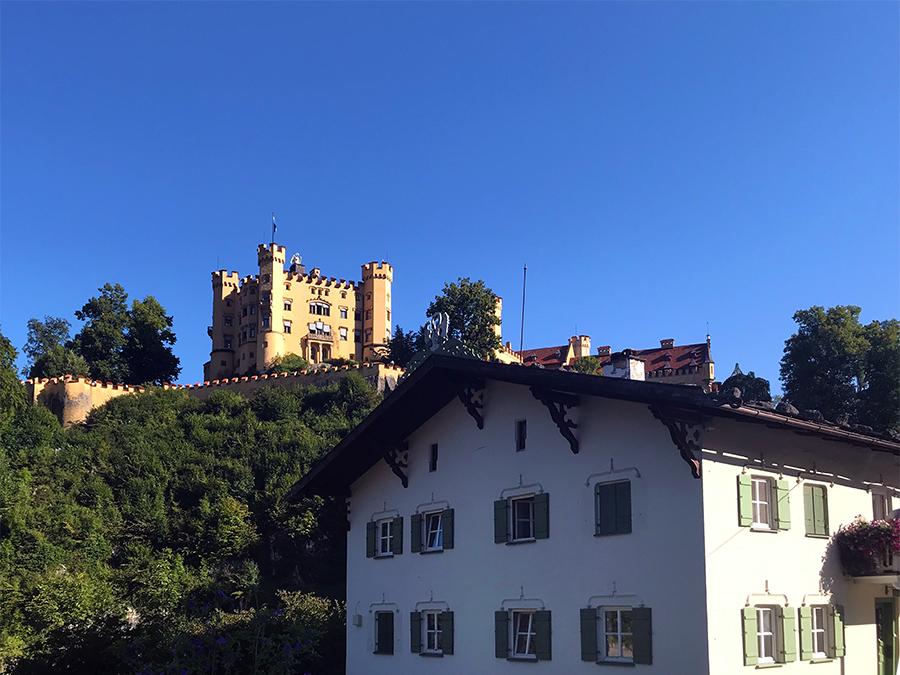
658 166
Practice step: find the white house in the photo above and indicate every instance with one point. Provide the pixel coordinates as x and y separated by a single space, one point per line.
501 515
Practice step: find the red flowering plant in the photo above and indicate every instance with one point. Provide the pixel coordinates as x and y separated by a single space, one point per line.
863 544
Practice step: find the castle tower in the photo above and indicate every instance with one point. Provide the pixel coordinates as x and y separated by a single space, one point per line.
223 330
581 346
376 292
271 303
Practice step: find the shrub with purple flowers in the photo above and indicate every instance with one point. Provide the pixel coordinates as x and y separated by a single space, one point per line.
863 544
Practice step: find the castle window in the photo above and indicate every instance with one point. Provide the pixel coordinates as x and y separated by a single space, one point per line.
368 296
227 343
253 290
357 315
320 308
252 309
388 316
252 355
243 336
266 296
312 290
228 303
326 291
244 312
287 326
228 320
223 363
357 335
287 287
368 334
287 305
343 295
253 330
343 333
265 321
266 278
368 314
343 312
265 343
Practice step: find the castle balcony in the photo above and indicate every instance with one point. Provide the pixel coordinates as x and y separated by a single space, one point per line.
320 337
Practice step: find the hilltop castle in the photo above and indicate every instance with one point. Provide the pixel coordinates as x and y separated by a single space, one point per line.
260 317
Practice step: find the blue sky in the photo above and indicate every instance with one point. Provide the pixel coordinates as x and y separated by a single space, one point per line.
658 166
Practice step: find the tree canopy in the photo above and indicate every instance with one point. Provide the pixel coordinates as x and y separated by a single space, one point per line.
471 307
592 365
155 537
839 367
752 388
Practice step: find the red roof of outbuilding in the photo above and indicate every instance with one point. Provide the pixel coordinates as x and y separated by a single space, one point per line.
675 357
548 357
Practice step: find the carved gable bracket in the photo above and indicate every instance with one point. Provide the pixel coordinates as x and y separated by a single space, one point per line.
558 404
392 459
684 428
472 396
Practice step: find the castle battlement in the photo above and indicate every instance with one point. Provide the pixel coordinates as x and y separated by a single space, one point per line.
72 398
376 270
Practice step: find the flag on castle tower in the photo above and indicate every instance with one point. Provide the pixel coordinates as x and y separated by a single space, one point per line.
274 228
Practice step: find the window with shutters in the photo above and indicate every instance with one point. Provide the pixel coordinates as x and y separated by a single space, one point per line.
617 635
881 505
522 633
613 508
763 503
343 333
522 518
431 631
821 632
343 311
384 633
431 531
769 635
815 502
384 537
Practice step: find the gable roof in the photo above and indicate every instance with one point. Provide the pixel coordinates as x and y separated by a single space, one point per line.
440 379
548 357
674 357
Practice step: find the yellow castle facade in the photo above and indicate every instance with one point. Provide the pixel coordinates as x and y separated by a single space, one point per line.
260 317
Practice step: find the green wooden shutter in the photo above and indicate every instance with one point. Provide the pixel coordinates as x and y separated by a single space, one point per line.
642 629
384 633
447 526
588 634
837 625
806 642
415 632
542 516
370 539
501 634
623 507
745 506
751 650
782 505
788 634
542 635
606 509
415 533
397 535
447 632
501 521
808 514
820 502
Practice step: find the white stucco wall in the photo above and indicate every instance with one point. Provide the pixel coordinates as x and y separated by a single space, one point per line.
740 561
661 561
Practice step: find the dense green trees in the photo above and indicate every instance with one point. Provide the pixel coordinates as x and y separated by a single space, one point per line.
592 365
155 536
752 388
839 367
471 306
116 344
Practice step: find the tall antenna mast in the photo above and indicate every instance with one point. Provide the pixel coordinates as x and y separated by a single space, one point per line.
522 332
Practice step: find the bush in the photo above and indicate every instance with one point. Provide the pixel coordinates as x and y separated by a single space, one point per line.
862 544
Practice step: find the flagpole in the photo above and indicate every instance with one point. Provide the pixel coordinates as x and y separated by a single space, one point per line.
522 333
273 227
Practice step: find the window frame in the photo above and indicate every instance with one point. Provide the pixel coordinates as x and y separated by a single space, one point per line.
770 611
603 634
386 650
530 635
812 505
882 497
756 517
819 631
383 538
601 495
435 632
428 519
514 518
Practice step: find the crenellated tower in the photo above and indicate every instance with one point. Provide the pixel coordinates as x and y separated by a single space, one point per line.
222 331
270 343
376 285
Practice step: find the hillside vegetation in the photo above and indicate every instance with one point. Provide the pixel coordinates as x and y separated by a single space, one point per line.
155 538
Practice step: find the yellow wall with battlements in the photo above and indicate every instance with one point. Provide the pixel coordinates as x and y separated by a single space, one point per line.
72 398
259 317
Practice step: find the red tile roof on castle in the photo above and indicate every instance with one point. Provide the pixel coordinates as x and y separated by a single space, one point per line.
657 358
674 357
548 357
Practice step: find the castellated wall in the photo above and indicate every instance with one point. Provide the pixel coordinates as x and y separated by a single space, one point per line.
72 398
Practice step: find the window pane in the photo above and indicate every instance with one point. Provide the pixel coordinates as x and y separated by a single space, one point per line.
626 622
627 647
612 622
612 645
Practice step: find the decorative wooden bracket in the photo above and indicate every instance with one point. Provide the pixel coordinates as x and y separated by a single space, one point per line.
468 395
392 458
685 432
558 403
